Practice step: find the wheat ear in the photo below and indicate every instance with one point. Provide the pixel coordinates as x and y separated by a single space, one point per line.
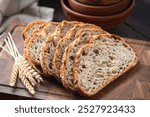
27 83
28 75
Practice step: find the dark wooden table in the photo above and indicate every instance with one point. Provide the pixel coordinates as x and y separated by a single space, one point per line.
137 26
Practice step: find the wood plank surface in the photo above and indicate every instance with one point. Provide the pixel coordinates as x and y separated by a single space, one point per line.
134 84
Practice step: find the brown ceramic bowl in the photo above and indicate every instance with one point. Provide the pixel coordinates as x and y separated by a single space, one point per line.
99 2
106 22
99 10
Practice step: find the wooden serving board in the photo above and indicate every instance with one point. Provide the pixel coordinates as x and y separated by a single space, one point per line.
135 84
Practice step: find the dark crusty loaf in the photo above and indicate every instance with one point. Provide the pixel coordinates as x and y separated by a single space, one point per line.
64 42
49 46
82 37
98 64
33 48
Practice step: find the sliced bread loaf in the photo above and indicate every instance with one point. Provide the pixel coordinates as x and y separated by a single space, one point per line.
33 48
68 56
49 46
98 64
64 42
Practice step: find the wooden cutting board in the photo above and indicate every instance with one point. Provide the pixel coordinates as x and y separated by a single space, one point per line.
135 84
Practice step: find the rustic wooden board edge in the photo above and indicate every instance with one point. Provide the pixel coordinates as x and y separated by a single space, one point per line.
24 93
135 41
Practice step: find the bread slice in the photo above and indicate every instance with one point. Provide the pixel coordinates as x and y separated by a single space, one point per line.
82 37
33 48
98 64
64 42
49 46
33 27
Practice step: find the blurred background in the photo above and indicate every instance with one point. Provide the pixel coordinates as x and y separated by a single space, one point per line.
136 24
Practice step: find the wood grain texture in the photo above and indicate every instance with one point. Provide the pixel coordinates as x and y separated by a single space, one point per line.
135 84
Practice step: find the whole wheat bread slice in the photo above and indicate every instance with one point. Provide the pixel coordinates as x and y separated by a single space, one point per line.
28 32
64 42
98 64
33 27
34 45
49 46
81 38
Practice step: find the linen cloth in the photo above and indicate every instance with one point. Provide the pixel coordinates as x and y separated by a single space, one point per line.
22 10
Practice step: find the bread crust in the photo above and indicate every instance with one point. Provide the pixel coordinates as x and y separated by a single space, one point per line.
26 39
53 39
80 89
29 55
44 51
46 28
70 36
35 40
30 25
66 55
63 68
27 28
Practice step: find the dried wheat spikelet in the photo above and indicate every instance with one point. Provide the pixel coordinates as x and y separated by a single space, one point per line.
28 75
26 83
31 70
14 74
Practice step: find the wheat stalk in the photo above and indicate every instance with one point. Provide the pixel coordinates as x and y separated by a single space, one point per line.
28 75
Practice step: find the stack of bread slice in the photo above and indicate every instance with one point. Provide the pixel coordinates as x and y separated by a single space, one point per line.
81 56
